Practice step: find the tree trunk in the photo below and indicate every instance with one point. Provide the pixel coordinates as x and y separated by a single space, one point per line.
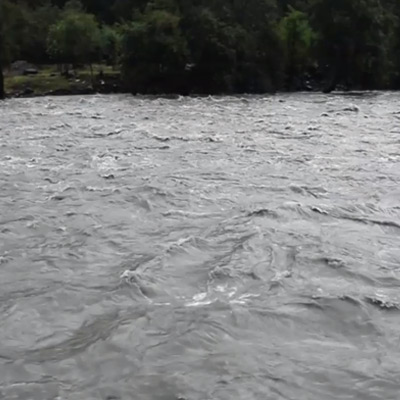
2 91
91 74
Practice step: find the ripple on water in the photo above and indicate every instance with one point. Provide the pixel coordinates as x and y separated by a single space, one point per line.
240 247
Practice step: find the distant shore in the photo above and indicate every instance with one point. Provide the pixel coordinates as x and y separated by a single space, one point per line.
101 79
48 81
73 91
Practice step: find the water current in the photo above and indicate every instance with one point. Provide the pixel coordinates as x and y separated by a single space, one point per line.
227 248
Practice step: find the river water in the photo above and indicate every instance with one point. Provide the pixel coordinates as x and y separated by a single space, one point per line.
200 249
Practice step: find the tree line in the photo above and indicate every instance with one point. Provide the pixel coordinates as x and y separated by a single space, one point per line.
212 46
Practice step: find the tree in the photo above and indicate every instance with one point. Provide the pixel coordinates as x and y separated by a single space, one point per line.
351 41
298 39
233 46
14 29
110 45
26 25
212 46
212 51
39 21
124 10
6 40
75 39
2 91
154 53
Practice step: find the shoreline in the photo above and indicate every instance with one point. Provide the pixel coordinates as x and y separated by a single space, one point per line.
92 92
61 93
47 82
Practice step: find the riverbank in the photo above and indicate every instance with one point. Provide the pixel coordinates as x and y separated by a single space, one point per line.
48 81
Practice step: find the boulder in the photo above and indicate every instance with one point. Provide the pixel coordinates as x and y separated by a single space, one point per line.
19 67
30 71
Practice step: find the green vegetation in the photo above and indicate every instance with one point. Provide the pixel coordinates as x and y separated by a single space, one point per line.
75 39
204 46
48 80
41 83
299 39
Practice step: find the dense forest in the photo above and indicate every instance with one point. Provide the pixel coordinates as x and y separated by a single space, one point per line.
212 46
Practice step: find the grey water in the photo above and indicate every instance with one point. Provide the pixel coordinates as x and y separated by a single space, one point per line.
214 248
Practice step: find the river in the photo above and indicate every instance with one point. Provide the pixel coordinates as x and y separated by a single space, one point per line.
227 248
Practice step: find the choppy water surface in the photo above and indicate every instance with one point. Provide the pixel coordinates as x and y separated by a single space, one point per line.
200 249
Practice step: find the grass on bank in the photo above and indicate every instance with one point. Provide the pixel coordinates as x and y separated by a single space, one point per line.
38 83
49 80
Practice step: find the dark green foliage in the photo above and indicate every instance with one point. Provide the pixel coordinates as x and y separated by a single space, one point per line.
298 39
352 40
25 29
204 47
75 38
2 92
2 48
110 45
233 49
213 46
154 53
212 51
